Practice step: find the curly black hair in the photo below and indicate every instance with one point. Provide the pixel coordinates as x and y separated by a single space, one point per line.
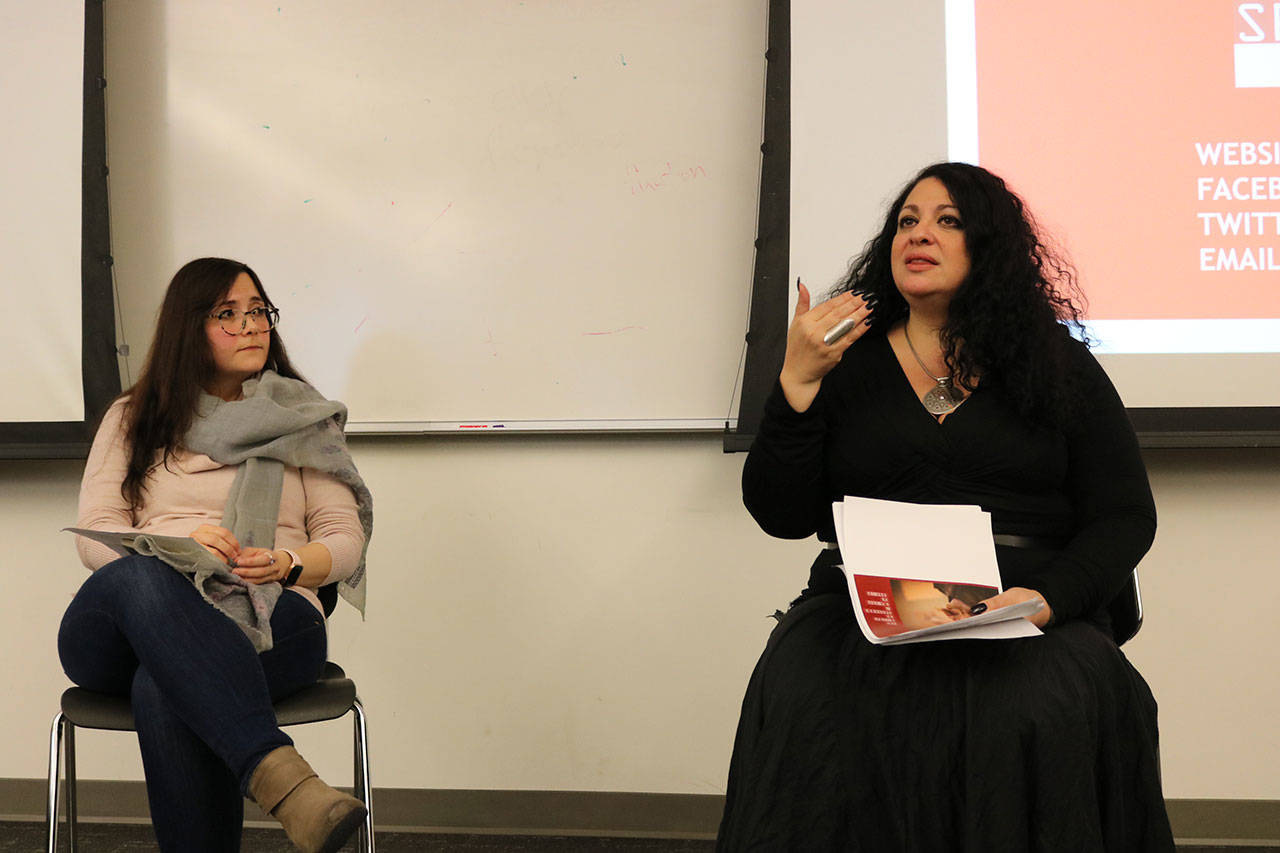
1011 319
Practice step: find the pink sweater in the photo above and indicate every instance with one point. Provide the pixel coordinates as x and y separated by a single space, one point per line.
314 507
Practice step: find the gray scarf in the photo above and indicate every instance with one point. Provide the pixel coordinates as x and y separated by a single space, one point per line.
279 422
247 604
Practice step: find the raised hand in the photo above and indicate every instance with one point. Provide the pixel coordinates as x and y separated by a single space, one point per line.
809 358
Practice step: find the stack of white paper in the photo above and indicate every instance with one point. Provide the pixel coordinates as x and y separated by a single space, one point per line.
915 570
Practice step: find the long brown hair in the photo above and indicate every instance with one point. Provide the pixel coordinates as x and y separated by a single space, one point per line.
160 405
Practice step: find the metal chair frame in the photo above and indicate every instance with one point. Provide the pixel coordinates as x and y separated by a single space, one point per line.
306 706
1125 610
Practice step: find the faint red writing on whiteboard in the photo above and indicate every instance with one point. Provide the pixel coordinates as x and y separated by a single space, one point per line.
662 177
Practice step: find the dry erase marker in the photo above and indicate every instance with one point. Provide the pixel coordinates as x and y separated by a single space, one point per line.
839 330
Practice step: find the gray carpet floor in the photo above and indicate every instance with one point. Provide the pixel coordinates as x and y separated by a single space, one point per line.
25 837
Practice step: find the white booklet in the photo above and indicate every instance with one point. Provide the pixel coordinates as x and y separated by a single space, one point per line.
915 570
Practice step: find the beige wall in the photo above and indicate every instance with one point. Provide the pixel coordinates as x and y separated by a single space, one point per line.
1208 647
583 613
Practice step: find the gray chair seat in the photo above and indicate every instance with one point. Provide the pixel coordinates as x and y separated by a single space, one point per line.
332 696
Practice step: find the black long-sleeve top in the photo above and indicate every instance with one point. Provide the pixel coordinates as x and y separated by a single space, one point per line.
866 434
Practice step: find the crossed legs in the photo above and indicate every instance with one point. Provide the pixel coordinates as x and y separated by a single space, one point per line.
201 694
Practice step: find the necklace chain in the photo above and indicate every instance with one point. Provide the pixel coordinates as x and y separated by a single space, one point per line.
942 399
941 380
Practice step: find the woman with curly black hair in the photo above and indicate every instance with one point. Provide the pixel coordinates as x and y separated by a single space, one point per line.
961 383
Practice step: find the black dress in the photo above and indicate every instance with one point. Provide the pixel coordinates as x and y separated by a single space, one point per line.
1046 743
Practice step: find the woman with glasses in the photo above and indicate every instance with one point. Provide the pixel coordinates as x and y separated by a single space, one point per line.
233 475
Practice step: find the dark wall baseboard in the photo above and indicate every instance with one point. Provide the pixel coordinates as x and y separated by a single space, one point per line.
600 813
1226 821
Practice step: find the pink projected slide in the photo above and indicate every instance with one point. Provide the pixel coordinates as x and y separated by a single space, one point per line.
1147 137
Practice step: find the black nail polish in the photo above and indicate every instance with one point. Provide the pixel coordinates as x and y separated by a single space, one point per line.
980 607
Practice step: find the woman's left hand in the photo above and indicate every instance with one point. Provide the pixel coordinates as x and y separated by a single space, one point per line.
1018 594
260 565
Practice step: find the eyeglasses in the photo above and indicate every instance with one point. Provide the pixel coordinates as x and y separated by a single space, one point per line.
233 322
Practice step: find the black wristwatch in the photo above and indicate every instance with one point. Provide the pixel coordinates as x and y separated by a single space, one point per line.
295 569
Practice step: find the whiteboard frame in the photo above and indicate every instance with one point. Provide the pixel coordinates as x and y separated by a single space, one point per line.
612 425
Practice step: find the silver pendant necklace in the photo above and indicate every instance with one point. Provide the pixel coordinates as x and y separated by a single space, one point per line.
941 399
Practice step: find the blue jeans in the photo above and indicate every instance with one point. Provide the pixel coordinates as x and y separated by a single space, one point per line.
201 695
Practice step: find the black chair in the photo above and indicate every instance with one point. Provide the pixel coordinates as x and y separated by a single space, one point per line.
1125 611
329 698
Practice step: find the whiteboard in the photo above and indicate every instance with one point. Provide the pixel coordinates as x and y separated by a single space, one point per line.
531 214
42 96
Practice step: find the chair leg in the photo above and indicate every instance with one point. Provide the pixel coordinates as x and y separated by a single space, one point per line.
70 750
363 788
55 775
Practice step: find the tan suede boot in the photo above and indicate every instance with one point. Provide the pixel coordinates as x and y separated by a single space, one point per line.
317 818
